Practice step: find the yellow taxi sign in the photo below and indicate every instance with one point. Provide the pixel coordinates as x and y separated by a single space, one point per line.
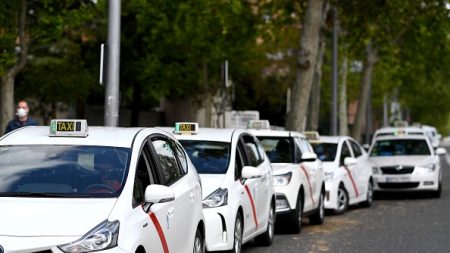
400 131
312 135
258 124
186 128
68 128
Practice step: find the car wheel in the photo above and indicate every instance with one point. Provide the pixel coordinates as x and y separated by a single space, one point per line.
266 238
199 245
369 198
237 236
319 216
342 201
296 218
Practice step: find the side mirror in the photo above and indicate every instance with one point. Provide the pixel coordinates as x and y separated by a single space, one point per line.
441 151
366 147
251 172
159 194
349 161
309 157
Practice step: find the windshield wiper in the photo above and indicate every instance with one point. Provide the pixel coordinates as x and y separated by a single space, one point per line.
37 194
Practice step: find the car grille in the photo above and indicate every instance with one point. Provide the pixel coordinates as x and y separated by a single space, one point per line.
394 170
397 185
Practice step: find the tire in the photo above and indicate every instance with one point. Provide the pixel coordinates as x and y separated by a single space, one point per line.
238 234
266 239
342 200
199 244
369 198
319 216
296 218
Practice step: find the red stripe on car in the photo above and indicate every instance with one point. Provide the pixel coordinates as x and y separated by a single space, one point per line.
351 179
253 204
309 182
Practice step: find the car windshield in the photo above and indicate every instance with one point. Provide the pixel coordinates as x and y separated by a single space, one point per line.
208 157
278 149
400 147
326 152
62 171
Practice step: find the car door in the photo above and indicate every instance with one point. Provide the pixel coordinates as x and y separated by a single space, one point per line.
349 178
147 224
252 186
310 170
180 217
363 169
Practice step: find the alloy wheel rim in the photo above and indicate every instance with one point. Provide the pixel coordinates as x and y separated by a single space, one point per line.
238 236
271 223
342 199
197 245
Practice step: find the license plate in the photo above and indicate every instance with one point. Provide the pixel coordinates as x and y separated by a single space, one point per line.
398 179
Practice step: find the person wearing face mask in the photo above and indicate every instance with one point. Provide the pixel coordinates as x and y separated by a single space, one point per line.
22 119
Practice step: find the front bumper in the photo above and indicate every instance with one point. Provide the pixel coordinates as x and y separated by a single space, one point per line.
331 192
407 182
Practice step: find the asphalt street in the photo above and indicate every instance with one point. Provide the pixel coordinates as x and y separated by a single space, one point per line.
394 223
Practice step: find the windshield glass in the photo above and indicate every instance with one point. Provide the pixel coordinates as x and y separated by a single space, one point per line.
400 147
208 157
62 171
326 152
278 149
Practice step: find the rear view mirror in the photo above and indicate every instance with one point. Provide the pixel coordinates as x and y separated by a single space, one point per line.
366 147
349 161
250 172
309 157
441 151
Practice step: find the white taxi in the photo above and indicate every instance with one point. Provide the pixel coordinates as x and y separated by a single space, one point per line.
238 194
406 162
298 175
348 172
70 188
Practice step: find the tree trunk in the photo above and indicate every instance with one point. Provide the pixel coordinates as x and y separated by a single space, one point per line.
7 81
371 59
208 99
314 101
306 62
343 120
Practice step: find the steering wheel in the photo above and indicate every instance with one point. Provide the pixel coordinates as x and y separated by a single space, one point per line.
99 188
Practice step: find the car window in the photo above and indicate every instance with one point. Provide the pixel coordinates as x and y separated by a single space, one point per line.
143 177
254 158
356 148
182 157
63 170
278 149
208 157
165 152
400 147
239 164
326 152
345 152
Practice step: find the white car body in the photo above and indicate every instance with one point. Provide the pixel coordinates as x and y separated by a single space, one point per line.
298 176
348 172
158 218
249 188
409 170
428 131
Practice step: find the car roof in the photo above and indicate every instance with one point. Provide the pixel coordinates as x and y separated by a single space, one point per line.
208 134
275 133
401 137
409 129
98 136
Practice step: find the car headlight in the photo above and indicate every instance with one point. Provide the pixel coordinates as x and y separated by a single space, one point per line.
104 236
429 167
218 198
283 179
329 175
376 170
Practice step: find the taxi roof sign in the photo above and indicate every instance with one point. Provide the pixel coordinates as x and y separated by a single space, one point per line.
68 128
186 128
312 135
258 124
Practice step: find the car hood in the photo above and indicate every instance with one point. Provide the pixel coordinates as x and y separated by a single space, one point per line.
329 166
29 217
283 168
210 183
401 160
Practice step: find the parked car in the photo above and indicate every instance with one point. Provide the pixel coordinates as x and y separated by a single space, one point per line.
348 172
237 181
70 188
298 175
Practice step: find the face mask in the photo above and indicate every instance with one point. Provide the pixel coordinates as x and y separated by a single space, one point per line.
21 112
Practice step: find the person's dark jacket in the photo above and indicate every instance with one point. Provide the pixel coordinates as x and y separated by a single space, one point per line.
15 124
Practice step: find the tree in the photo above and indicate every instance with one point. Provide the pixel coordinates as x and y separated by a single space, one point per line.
307 58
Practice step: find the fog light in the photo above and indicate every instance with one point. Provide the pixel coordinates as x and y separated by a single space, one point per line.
224 236
428 183
281 204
